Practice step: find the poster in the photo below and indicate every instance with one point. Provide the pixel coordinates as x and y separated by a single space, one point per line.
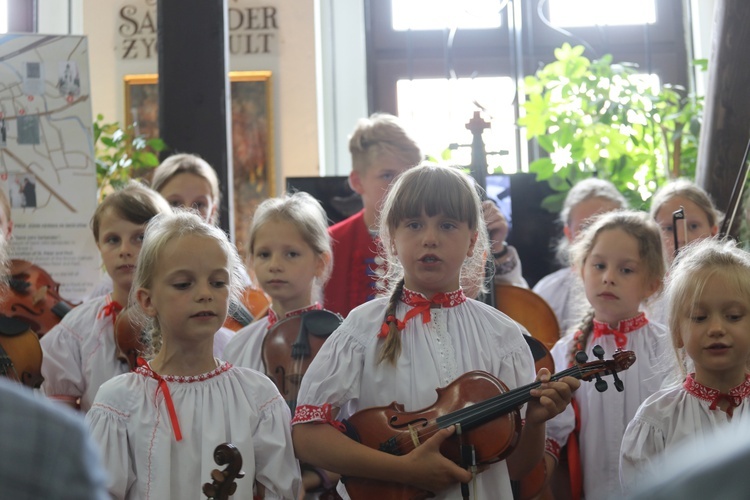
47 168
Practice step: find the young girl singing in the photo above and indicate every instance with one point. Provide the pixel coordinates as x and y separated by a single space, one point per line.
80 352
620 260
708 293
424 335
561 289
159 425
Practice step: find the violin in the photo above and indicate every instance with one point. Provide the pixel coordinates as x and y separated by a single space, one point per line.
20 353
34 297
253 304
486 415
290 346
223 485
128 339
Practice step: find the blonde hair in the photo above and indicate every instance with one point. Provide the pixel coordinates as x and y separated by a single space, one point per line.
693 267
584 190
433 190
309 218
636 224
134 202
685 188
160 231
381 135
185 163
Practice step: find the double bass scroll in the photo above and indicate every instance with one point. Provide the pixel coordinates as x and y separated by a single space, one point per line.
223 485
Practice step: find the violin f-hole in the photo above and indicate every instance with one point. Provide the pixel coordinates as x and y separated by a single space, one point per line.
281 377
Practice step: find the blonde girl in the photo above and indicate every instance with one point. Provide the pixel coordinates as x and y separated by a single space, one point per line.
619 259
701 219
188 181
708 295
159 425
424 335
80 351
561 289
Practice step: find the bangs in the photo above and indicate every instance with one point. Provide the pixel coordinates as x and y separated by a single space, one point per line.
434 195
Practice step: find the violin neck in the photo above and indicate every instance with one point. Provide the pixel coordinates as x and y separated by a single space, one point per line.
496 406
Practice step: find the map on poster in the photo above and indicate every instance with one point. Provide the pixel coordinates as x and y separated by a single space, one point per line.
47 169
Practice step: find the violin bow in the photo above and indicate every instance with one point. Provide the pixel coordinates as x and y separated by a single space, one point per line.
735 200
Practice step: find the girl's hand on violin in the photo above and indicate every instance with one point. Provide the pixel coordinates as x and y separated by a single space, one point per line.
429 470
551 398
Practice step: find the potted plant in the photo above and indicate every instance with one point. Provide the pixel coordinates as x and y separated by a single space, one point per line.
121 155
605 119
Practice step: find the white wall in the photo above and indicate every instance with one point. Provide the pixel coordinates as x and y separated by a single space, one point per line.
293 65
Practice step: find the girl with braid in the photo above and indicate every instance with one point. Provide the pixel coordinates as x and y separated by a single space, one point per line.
619 258
422 335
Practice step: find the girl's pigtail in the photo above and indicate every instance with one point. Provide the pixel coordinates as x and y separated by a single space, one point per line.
392 346
585 329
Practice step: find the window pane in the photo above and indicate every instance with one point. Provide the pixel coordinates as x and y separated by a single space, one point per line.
440 14
601 12
3 16
436 112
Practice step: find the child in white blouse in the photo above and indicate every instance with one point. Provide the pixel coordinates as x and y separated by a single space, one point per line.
708 294
159 425
562 289
290 254
423 336
80 351
620 261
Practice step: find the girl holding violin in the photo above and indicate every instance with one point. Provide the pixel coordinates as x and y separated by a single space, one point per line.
290 255
424 335
159 425
708 293
80 352
619 259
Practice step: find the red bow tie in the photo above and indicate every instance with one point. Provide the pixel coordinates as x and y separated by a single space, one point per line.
420 306
623 328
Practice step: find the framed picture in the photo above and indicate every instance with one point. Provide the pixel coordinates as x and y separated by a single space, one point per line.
252 138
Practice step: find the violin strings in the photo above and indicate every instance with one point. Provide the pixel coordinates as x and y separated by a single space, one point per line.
475 413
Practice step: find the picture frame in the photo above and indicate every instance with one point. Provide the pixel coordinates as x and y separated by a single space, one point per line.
251 130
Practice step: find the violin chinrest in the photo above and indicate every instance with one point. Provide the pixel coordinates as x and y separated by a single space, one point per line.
10 327
321 323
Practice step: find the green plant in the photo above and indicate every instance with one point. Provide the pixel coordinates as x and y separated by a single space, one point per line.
605 119
121 155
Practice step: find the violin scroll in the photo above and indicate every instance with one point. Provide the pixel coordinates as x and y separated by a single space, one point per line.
621 361
223 485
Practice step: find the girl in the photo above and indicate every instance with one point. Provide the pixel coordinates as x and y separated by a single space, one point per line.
702 219
186 180
708 293
433 237
290 253
561 289
620 261
159 425
80 352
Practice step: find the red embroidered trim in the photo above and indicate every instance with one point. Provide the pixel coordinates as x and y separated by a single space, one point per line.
273 318
734 397
421 305
623 328
310 413
189 379
552 447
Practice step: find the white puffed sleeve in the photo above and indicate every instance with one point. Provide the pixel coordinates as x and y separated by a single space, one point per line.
642 442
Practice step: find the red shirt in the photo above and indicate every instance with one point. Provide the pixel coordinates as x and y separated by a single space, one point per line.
354 277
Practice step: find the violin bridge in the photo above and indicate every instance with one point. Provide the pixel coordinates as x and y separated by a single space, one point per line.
414 435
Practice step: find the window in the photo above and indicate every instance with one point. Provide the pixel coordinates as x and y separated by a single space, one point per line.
429 60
